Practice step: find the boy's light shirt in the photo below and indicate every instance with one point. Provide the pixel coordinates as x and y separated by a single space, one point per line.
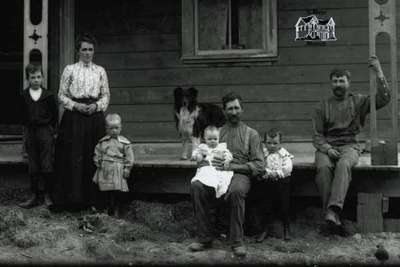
35 94
279 163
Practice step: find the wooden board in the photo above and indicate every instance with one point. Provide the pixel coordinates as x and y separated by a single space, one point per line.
346 36
272 111
125 17
301 5
356 17
227 75
346 54
137 42
265 93
369 212
391 225
293 130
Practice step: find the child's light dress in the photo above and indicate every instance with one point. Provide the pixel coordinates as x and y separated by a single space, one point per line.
210 176
112 156
279 162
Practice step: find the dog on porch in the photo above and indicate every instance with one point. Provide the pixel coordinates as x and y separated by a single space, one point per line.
192 118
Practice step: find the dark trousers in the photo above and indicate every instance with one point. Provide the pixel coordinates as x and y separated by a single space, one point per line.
271 198
203 199
40 148
333 177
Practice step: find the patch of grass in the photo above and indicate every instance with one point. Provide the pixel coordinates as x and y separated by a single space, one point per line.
135 231
25 240
175 220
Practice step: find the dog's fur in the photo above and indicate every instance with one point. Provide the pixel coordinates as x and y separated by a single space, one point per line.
192 117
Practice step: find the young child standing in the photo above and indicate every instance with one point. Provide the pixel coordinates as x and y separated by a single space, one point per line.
113 158
204 154
275 183
39 117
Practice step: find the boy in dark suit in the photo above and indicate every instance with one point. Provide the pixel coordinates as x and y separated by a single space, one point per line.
39 116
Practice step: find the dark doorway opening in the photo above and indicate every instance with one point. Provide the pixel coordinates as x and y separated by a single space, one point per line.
11 66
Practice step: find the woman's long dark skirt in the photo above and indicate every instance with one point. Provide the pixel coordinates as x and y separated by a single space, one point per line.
77 138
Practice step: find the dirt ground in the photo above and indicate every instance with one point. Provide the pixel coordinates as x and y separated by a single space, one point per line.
158 233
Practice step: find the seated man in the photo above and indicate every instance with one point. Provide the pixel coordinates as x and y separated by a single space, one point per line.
337 121
245 145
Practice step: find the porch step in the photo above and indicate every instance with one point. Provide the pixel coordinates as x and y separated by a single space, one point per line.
11 153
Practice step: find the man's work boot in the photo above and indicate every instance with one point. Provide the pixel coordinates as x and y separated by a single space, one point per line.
33 201
262 236
332 217
198 246
239 251
265 234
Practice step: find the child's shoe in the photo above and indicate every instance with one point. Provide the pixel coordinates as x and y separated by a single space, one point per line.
286 233
111 211
47 201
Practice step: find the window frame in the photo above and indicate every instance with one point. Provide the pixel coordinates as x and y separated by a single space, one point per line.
190 44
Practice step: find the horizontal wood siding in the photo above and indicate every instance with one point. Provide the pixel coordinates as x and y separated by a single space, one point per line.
139 45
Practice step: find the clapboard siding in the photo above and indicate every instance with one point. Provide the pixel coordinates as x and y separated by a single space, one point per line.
349 18
302 92
292 130
321 4
254 111
289 56
139 44
345 36
238 75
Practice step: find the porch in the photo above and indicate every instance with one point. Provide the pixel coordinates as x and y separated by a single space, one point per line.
158 170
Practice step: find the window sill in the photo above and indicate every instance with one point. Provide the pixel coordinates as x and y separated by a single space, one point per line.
259 59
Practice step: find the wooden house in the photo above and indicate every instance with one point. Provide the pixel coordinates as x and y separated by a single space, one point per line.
149 47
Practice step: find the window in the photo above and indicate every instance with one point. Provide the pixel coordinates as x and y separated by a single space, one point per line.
229 30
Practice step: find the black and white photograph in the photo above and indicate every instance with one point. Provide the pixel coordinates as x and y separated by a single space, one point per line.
199 132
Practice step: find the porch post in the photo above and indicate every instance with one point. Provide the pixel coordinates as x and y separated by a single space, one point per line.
382 19
67 33
35 38
67 37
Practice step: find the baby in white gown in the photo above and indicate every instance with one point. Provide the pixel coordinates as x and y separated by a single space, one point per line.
204 154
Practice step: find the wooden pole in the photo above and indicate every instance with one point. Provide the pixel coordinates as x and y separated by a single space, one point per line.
67 37
35 38
382 19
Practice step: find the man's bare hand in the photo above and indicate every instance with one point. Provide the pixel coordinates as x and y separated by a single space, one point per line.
374 64
333 153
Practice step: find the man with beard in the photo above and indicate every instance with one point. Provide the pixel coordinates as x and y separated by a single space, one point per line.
336 122
245 145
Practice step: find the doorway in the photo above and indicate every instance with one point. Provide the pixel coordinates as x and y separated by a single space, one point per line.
11 66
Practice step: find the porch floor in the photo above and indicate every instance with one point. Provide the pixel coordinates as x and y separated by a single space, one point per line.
167 155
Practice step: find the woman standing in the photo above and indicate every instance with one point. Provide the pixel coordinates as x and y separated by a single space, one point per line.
84 94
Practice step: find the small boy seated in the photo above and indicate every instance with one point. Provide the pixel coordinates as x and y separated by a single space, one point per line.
275 183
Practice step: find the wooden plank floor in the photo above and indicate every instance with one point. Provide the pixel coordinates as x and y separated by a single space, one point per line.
167 155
